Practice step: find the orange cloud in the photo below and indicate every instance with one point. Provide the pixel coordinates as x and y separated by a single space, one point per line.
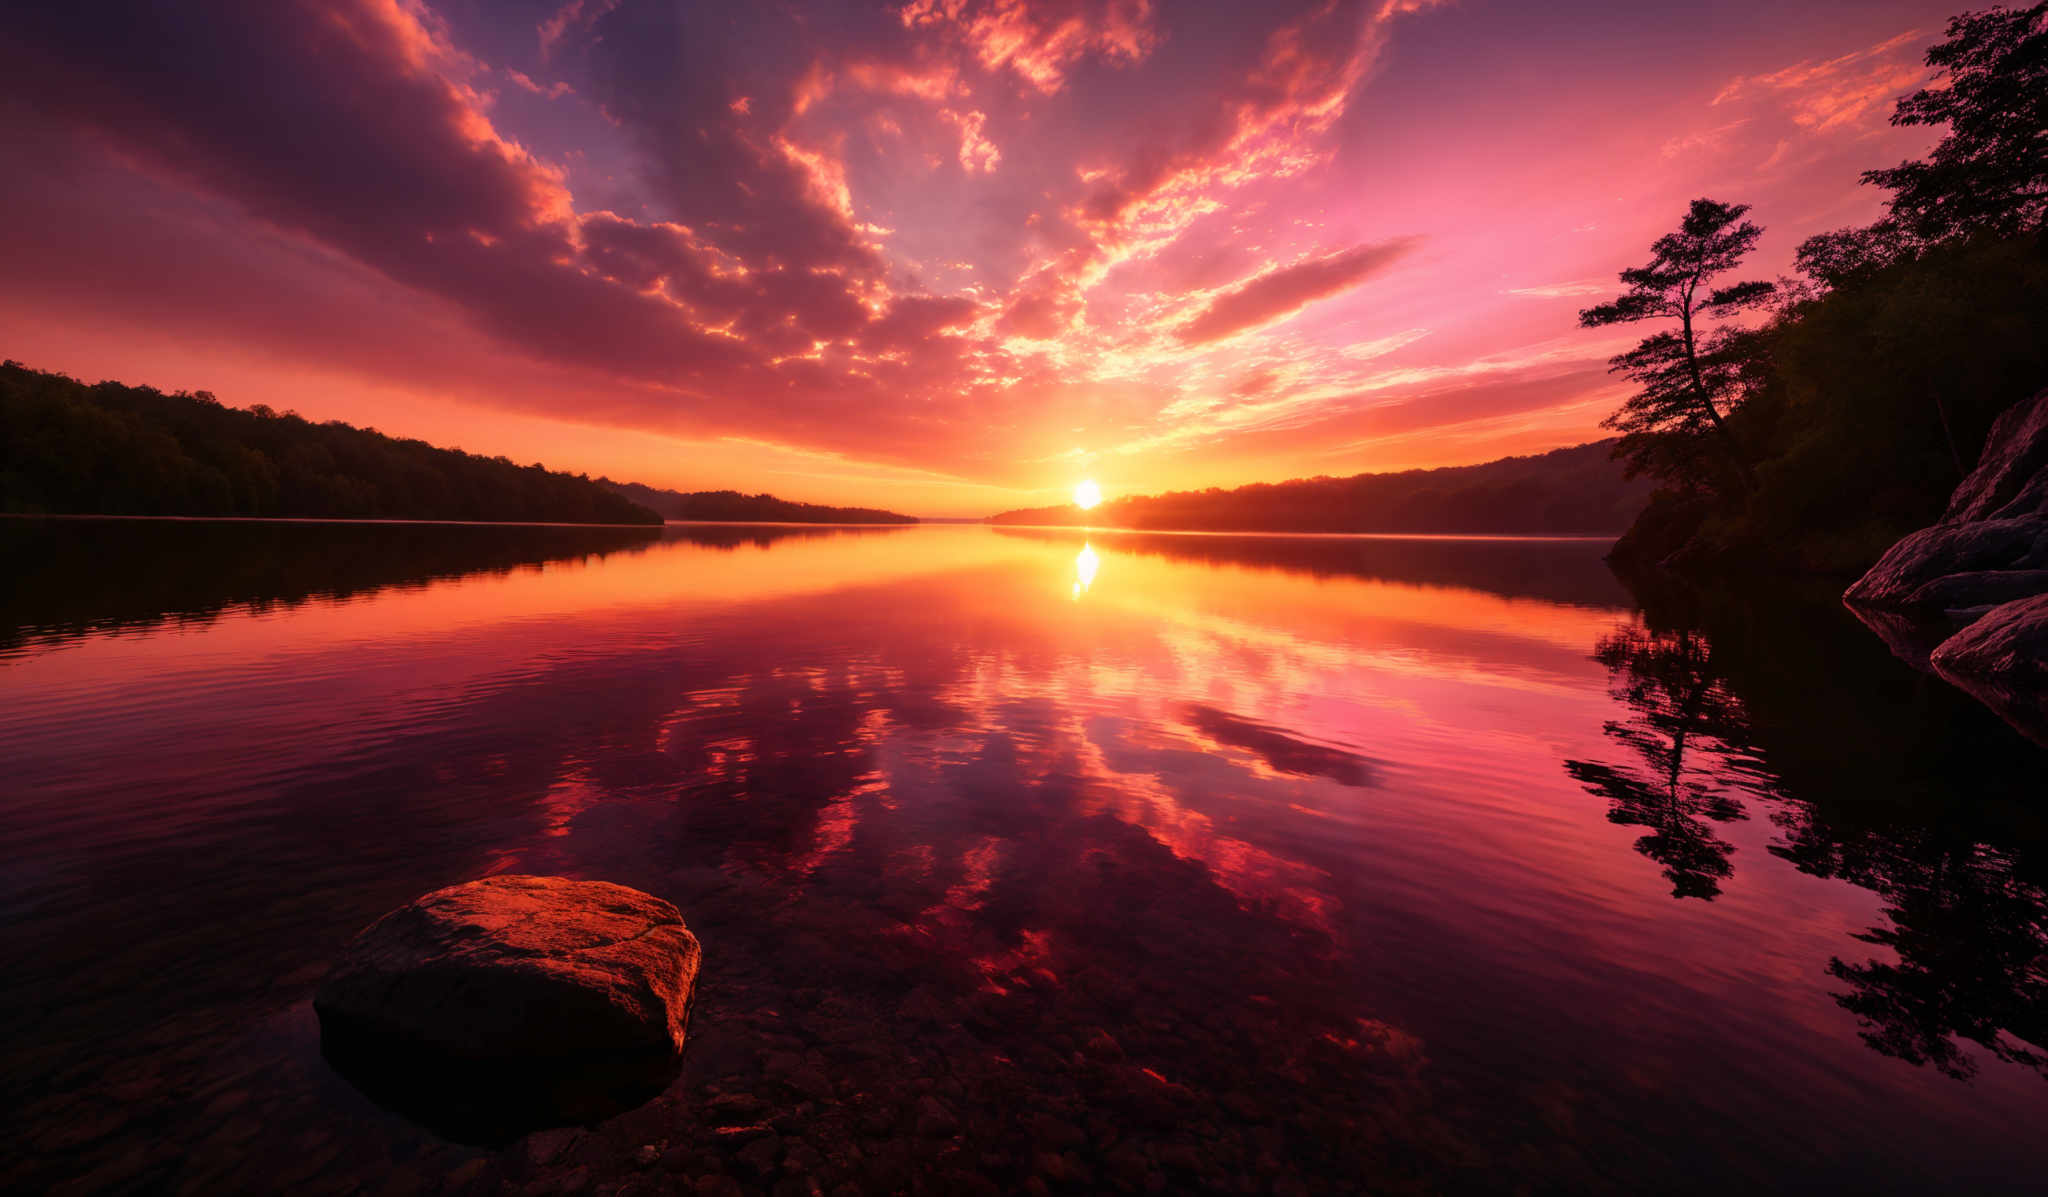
1823 94
1040 41
977 152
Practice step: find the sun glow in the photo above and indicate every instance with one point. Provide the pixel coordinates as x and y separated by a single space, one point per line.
1087 494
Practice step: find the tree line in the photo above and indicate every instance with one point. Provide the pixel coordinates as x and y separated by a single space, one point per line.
732 507
1575 491
109 449
1842 420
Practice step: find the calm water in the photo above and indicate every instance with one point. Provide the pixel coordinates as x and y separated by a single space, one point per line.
1156 863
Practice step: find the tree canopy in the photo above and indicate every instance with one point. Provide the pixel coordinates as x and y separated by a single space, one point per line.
1989 173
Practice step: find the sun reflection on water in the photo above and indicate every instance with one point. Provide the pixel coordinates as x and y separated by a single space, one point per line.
1085 565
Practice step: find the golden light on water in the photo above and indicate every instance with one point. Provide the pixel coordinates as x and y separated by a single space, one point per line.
1087 494
1084 569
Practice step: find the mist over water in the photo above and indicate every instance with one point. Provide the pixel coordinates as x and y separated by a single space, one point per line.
1353 862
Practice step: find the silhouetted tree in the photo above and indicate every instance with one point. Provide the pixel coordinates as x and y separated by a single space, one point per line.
1685 373
1681 706
1989 174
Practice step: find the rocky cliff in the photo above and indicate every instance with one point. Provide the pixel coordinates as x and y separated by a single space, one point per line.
1984 568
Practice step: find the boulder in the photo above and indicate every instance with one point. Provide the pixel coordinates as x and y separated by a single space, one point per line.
1957 566
1991 545
2002 659
1987 559
2011 478
504 1005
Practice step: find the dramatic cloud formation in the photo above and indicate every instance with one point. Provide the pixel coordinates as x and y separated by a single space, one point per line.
942 254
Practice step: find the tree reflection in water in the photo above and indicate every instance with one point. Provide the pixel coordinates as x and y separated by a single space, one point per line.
1967 935
1735 704
1679 705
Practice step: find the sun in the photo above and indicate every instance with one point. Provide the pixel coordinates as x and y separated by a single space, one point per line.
1087 494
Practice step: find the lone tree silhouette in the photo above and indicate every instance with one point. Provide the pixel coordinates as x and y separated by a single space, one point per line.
1687 371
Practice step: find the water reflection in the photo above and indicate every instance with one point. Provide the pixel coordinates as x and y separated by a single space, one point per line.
1085 565
1566 571
1256 870
1962 971
1677 704
60 584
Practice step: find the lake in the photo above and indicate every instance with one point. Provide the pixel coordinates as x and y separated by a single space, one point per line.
1023 860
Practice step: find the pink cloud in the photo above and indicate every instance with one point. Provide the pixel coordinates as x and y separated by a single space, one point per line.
745 221
977 152
1285 290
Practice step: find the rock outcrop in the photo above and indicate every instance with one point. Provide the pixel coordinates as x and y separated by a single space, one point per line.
1987 561
2002 659
489 1009
1991 545
2011 478
1956 567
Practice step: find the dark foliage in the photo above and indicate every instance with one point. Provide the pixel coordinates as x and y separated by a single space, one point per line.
110 449
1865 399
730 506
1990 173
1576 491
1867 403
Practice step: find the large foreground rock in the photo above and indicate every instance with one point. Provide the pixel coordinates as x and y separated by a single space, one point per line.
507 1004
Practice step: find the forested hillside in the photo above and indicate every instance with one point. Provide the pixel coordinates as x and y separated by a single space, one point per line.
107 449
1576 491
1843 419
730 506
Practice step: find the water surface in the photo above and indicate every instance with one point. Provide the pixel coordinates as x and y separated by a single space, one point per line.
1097 861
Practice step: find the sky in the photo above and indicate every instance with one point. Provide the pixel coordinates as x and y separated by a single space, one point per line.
945 256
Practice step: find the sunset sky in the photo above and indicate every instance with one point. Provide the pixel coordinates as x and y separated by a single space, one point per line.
947 256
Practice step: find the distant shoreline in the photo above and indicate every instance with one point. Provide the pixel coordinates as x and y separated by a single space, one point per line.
301 519
1090 529
1114 529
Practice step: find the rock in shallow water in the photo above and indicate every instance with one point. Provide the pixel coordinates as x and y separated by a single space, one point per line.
1988 556
504 1005
2002 659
